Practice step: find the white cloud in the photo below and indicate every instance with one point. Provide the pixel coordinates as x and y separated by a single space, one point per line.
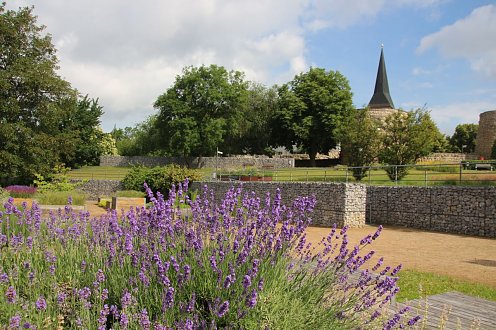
128 52
472 38
448 116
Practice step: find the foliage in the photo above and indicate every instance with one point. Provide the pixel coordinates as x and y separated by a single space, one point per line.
83 123
107 145
360 141
407 136
224 265
159 178
42 121
61 197
256 129
493 150
141 140
201 111
33 98
58 180
3 194
311 107
463 139
18 191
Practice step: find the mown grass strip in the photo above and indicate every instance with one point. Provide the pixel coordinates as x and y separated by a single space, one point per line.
416 284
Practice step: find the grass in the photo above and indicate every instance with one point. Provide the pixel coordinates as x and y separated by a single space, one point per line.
431 284
60 198
99 173
416 176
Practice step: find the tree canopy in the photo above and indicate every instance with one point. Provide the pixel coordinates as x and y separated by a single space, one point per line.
360 141
38 109
463 139
311 106
407 136
201 111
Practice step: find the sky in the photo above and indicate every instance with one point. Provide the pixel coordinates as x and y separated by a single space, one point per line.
440 54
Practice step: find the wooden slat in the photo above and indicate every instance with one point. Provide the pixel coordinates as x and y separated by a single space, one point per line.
464 310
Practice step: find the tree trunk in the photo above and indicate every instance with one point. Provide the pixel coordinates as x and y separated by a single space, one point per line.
312 155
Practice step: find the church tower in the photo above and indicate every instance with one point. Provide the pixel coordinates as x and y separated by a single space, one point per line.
381 104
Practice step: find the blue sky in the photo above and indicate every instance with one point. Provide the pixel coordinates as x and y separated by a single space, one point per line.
440 54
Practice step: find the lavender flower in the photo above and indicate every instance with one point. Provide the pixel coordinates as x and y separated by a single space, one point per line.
251 300
168 300
41 304
223 309
14 322
11 294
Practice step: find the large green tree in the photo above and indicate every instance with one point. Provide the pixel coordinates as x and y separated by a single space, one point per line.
202 111
34 100
360 141
311 106
83 124
256 120
140 140
407 136
463 139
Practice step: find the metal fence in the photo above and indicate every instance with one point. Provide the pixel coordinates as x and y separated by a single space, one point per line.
463 173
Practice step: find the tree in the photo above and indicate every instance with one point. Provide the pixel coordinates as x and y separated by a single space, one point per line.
256 124
311 106
407 136
201 111
463 139
83 122
360 140
141 140
34 101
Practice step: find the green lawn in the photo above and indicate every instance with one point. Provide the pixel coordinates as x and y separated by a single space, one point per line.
415 177
415 284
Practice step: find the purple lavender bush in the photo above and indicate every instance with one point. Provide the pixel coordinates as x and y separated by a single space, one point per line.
18 191
240 263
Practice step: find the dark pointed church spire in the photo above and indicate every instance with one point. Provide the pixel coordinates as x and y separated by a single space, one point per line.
381 97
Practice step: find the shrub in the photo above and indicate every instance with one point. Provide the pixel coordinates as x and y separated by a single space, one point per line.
21 191
223 265
58 180
3 194
159 178
493 150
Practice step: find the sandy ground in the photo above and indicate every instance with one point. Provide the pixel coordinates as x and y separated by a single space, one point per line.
464 257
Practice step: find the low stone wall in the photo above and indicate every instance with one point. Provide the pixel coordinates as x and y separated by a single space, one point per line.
447 157
99 188
343 204
459 210
199 162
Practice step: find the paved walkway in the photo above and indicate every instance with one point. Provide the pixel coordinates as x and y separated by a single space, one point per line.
453 310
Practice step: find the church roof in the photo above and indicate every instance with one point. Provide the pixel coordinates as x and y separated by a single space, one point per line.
381 97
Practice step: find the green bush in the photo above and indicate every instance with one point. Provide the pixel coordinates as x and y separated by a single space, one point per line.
159 178
493 151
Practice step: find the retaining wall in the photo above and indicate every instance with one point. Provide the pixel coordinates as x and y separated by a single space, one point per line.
448 157
343 204
459 210
99 188
199 162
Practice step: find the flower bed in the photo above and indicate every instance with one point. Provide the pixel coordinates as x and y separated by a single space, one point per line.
242 263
